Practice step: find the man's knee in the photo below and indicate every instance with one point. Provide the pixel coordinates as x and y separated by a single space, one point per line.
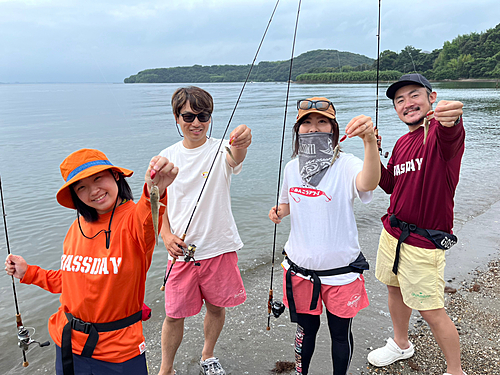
434 317
394 292
215 310
173 321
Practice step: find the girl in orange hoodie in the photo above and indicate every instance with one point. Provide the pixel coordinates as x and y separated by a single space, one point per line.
106 256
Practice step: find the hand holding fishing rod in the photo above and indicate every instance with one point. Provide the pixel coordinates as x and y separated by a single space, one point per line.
16 266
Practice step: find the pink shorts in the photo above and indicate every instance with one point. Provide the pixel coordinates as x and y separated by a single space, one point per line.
343 301
216 280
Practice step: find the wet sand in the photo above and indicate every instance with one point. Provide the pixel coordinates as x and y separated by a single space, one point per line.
246 347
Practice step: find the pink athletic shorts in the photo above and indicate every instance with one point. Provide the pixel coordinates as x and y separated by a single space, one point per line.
216 280
343 301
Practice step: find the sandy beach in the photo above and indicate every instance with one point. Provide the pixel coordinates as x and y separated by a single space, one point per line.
246 347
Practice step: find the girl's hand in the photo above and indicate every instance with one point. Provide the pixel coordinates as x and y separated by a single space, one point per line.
16 266
361 126
283 210
161 172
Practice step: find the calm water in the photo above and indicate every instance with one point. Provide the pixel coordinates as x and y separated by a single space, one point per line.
41 124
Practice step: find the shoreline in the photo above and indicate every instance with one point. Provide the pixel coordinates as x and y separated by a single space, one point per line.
245 347
479 80
473 308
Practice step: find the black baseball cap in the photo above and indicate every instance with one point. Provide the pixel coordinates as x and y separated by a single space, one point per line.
407 79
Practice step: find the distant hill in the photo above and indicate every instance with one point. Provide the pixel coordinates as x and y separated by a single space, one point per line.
266 71
470 56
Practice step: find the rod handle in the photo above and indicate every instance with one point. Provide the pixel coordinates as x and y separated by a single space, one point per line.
19 321
25 360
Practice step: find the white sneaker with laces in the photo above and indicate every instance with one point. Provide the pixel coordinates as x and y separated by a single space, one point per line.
211 366
389 353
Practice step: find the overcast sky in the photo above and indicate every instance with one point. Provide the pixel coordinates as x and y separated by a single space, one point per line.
109 40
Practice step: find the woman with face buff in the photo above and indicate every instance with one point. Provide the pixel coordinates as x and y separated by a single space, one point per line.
323 262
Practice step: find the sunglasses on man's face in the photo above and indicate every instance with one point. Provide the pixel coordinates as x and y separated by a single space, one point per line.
320 105
202 116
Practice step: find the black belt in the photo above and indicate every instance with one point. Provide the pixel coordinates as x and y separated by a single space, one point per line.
91 329
440 239
359 265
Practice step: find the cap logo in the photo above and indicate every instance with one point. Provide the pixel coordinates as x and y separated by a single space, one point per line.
87 165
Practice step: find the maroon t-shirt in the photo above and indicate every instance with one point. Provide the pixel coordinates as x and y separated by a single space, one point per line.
422 180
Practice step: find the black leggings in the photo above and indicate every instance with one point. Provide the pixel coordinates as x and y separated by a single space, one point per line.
305 341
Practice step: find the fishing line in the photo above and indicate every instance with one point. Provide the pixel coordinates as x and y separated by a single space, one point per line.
270 303
222 139
415 69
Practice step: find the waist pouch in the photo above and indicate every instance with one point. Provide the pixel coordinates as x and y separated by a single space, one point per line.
359 265
440 239
146 312
91 329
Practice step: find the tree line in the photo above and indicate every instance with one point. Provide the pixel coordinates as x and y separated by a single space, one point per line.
265 71
475 55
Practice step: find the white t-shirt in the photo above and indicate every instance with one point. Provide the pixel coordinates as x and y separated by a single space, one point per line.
212 229
323 232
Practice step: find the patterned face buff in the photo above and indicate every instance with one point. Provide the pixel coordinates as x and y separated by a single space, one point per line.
315 155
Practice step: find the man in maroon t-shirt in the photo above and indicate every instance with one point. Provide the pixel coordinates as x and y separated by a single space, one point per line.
421 176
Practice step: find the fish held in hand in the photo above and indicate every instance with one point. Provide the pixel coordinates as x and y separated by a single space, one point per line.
231 154
427 121
335 154
154 199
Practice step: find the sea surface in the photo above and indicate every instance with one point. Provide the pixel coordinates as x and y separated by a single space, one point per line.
40 124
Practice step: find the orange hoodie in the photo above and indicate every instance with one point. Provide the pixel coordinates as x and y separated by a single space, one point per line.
100 285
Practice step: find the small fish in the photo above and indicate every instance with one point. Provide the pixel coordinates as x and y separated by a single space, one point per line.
231 154
427 121
154 199
335 154
337 149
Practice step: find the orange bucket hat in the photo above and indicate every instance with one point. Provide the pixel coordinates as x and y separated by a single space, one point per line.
79 165
329 112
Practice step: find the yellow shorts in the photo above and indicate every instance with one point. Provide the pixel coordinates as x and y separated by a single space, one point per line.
420 272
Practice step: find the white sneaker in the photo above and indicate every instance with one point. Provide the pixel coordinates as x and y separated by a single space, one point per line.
388 354
211 366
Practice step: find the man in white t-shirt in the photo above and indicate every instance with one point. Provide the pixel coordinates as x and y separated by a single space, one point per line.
213 278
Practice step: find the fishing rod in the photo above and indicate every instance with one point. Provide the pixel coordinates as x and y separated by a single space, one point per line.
276 307
23 335
192 248
379 138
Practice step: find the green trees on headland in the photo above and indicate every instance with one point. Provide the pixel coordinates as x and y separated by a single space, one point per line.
265 71
476 55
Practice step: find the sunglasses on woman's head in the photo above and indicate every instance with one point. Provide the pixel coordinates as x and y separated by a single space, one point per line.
202 116
320 105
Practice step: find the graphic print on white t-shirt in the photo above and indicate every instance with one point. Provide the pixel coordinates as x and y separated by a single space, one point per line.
296 192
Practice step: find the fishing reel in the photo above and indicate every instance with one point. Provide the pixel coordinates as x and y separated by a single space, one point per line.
25 340
277 308
189 254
